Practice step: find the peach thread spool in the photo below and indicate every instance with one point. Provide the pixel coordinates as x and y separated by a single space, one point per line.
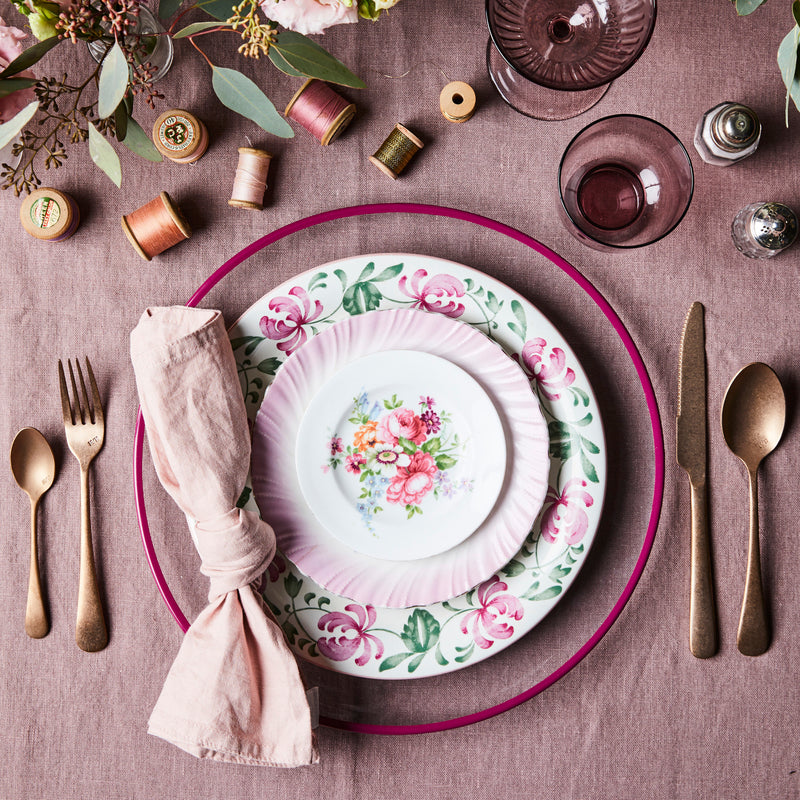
180 136
155 227
320 110
49 215
457 101
250 181
399 147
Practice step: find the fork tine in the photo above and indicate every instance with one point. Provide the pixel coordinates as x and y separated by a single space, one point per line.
89 414
66 409
76 400
97 404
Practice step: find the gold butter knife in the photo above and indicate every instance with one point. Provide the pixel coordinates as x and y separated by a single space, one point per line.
692 455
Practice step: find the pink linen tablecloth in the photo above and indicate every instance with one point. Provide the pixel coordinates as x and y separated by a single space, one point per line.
639 716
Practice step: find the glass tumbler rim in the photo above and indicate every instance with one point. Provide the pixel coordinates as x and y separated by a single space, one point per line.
623 246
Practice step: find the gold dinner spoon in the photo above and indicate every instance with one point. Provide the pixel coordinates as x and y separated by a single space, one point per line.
34 469
753 416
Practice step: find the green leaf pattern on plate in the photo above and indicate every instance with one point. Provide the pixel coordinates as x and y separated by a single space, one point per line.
380 642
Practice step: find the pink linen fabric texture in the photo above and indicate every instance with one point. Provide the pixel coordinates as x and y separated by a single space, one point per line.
234 692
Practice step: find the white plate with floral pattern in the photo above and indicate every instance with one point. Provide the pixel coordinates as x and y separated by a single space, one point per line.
362 639
304 538
422 429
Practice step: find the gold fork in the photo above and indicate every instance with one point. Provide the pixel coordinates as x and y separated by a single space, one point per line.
85 429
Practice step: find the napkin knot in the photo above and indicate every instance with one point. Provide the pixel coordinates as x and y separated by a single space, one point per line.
235 548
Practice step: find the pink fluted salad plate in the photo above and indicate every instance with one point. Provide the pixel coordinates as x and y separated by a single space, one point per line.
306 541
365 639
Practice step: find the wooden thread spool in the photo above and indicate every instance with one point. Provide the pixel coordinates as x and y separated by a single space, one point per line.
49 215
180 136
457 101
397 150
320 110
250 181
155 227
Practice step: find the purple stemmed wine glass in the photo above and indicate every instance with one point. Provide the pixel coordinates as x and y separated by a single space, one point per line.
554 59
624 181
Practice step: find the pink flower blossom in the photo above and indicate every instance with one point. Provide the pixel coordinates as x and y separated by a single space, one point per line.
309 16
10 48
354 634
299 312
552 373
401 423
486 624
335 445
565 515
410 484
354 463
437 294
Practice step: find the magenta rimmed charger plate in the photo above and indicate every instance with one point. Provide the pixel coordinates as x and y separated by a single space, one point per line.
515 696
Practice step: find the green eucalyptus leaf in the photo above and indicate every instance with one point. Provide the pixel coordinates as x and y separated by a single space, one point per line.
195 27
240 94
103 155
787 63
310 59
137 141
282 64
221 9
11 85
11 129
27 58
113 81
745 7
121 121
166 8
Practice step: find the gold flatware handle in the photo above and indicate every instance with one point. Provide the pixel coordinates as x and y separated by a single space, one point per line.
91 633
37 624
753 636
703 640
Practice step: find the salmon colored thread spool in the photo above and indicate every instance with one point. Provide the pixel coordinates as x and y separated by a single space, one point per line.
180 136
322 112
457 101
398 149
155 227
250 181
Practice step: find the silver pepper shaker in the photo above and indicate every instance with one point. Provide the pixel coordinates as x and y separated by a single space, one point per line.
762 230
727 133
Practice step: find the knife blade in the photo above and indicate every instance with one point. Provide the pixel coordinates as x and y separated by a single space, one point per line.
692 455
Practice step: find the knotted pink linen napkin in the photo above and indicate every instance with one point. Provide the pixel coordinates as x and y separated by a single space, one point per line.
234 692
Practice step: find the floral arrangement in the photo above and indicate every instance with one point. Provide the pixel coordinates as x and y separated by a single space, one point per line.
398 454
788 51
41 115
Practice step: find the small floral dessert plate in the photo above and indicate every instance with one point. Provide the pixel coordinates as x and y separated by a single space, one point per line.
367 640
401 455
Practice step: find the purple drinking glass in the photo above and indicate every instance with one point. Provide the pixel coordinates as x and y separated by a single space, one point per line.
554 59
624 181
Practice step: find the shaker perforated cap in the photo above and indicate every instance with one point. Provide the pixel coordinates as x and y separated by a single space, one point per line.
774 226
736 127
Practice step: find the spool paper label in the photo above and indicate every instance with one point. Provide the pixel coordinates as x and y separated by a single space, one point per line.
45 212
176 133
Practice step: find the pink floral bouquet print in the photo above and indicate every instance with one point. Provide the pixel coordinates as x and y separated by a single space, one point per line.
400 454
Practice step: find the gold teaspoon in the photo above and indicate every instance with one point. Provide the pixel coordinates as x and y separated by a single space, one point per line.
753 416
34 469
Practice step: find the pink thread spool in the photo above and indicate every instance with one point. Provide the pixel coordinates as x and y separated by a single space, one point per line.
250 181
155 227
322 112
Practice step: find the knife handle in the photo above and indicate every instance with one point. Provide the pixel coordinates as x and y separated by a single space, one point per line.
702 615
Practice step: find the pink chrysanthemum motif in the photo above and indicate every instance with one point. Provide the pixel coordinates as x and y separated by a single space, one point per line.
551 372
354 636
565 515
439 294
298 311
488 623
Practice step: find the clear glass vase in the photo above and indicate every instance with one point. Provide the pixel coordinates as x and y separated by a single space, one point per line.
158 46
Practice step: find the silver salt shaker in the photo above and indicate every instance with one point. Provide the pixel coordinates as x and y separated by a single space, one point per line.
727 133
762 230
